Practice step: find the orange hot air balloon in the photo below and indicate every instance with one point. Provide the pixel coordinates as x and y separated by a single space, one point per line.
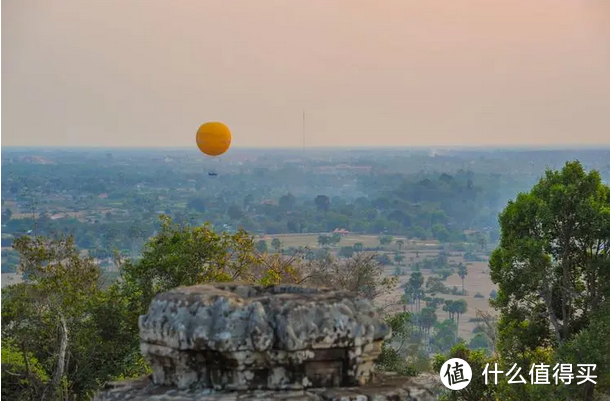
213 138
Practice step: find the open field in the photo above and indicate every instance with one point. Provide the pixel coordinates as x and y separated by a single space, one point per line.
477 280
10 278
368 241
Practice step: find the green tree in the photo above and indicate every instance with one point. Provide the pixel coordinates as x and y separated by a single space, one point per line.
400 243
185 255
477 389
462 271
261 246
444 273
287 202
393 353
440 232
455 309
413 290
23 377
553 252
450 309
60 315
385 240
322 203
481 239
61 282
427 319
444 336
324 240
335 239
434 302
346 251
435 285
478 341
384 259
276 244
358 247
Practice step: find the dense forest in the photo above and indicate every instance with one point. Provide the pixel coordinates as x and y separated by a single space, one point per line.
542 227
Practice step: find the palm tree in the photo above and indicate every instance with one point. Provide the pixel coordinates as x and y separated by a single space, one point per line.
462 271
459 307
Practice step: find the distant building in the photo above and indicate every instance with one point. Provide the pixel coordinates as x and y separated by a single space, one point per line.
341 231
268 202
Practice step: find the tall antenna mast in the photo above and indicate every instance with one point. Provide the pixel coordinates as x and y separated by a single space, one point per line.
303 130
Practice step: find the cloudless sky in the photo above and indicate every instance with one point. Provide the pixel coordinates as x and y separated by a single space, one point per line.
393 72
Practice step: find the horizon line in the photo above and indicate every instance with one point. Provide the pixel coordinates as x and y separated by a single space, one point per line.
341 147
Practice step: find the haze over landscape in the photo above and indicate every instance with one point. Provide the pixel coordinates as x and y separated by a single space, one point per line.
147 73
453 186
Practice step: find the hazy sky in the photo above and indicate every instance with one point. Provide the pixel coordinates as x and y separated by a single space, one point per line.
392 72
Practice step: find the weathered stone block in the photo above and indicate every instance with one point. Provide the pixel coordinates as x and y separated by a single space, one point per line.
241 337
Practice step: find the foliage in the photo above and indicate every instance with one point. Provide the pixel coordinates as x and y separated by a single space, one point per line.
551 265
384 259
346 251
23 377
107 198
590 346
552 268
393 357
361 273
181 255
477 389
462 271
443 337
261 246
386 240
435 285
61 317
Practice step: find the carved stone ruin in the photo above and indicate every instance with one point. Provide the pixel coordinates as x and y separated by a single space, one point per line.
257 340
232 337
